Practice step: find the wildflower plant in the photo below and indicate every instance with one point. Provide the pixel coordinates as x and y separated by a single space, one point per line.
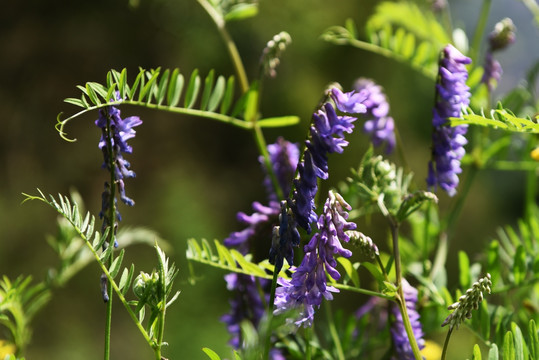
380 240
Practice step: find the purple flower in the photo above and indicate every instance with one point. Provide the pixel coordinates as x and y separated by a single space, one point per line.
308 285
284 158
379 125
246 305
115 132
326 136
502 36
285 238
448 142
403 349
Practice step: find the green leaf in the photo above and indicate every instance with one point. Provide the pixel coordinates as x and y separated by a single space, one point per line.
508 346
241 11
135 85
92 94
229 95
148 88
350 269
375 271
464 266
251 104
278 121
534 340
175 88
75 101
493 352
116 264
499 118
520 347
493 261
476 352
122 84
208 85
217 94
162 88
519 265
192 90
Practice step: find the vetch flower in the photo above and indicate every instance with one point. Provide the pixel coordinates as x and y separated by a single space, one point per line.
115 132
246 305
379 125
285 238
502 36
448 142
284 158
326 136
468 302
403 349
308 285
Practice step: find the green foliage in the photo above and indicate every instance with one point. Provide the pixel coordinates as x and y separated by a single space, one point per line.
399 30
500 118
211 98
19 302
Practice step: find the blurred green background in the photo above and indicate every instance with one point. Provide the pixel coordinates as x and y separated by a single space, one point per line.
193 175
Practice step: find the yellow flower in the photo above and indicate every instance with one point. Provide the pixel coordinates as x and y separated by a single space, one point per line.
431 351
6 348
535 154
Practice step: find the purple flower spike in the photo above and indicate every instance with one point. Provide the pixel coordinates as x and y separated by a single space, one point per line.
448 142
284 158
326 136
403 349
285 238
379 125
113 144
308 285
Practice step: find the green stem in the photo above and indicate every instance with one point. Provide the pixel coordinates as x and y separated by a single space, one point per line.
308 337
229 43
333 331
401 301
479 30
446 342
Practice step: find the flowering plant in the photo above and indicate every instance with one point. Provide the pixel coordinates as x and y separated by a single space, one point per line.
324 267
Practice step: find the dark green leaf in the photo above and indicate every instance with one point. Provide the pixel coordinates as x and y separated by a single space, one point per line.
534 340
519 265
351 272
134 88
92 95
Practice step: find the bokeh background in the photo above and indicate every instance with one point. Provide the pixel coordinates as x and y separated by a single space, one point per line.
193 175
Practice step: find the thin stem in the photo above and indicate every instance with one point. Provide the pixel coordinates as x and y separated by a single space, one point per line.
263 149
333 332
479 30
308 348
446 342
401 301
111 239
229 43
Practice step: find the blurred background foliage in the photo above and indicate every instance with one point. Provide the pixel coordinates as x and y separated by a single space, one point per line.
193 175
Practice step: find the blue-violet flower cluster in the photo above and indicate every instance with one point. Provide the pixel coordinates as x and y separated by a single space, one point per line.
247 303
326 136
379 125
448 142
308 285
403 349
115 132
